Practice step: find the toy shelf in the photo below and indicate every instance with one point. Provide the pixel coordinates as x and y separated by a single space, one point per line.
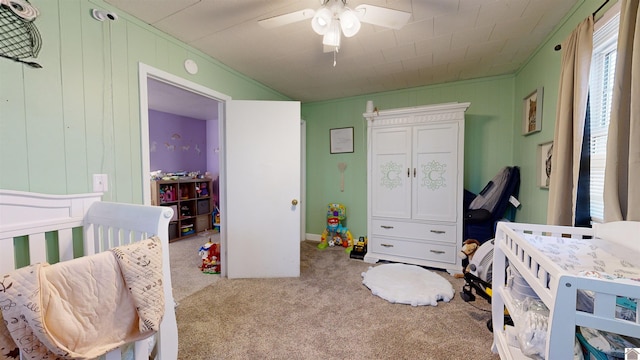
191 201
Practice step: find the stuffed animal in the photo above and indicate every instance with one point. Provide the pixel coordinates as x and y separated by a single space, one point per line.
469 248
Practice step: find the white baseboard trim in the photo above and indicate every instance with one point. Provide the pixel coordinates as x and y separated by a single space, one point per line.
313 237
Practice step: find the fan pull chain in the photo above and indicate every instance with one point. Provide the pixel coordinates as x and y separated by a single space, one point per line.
335 54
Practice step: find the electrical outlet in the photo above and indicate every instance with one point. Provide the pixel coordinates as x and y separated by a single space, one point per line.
100 182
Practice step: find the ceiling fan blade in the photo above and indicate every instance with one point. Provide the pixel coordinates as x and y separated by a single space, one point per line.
380 16
285 19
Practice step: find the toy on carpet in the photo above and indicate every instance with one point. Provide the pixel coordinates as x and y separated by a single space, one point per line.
336 234
210 253
469 248
359 248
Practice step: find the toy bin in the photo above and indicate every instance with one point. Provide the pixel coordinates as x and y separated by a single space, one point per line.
202 223
203 207
186 229
173 230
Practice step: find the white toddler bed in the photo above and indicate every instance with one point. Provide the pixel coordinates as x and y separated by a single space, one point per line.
37 228
553 261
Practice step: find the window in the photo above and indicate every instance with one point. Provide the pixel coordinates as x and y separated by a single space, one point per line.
603 65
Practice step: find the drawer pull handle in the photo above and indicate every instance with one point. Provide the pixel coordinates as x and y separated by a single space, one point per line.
386 226
438 231
437 251
387 245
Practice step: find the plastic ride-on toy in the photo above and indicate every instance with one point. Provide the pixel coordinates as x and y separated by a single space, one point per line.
336 234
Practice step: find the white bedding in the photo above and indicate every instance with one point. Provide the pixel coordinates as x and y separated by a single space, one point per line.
583 255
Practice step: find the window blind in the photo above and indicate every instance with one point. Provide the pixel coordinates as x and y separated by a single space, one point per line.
603 65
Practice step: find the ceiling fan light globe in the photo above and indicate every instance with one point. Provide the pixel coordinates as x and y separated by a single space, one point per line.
332 37
321 21
349 22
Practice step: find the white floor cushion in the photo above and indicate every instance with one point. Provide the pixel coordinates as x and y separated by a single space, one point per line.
407 284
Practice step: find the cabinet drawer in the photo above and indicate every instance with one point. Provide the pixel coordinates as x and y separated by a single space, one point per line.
419 231
414 249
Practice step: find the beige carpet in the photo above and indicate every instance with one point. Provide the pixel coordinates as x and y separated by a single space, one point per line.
186 276
325 314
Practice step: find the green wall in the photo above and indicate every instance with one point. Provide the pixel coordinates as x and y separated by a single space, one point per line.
79 114
488 142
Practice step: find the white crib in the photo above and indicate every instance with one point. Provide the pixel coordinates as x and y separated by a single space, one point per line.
559 286
32 224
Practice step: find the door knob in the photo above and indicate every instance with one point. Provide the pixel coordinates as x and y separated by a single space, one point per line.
294 202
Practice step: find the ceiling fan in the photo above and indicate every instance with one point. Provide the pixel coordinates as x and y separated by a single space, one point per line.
334 19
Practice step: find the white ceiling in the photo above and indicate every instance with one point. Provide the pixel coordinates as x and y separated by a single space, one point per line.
445 40
175 100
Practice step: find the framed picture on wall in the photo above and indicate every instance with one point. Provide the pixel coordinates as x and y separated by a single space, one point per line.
545 151
532 112
341 140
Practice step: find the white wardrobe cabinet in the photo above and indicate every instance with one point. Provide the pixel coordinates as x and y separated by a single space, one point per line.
415 185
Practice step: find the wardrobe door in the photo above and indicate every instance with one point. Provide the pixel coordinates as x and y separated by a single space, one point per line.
390 173
435 172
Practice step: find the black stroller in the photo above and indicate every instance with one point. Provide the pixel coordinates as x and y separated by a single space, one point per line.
496 202
492 204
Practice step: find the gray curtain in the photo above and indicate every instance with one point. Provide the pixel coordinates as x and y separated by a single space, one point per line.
622 170
570 117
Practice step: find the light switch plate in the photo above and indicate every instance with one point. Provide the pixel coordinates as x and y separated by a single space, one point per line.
100 182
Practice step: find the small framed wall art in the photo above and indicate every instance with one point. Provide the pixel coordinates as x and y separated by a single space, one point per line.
544 164
341 140
532 112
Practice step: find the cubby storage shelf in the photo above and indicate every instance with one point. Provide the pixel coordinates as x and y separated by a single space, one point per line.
191 200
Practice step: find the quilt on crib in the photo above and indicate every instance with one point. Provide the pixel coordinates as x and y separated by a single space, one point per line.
83 308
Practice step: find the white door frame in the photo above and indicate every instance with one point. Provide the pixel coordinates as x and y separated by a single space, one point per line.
146 72
303 180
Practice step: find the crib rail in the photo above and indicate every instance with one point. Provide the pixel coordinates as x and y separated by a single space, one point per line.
49 228
113 224
33 219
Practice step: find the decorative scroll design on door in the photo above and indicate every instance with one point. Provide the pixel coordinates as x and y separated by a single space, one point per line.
391 175
434 175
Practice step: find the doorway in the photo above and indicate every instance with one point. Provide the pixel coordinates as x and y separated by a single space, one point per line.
167 89
147 74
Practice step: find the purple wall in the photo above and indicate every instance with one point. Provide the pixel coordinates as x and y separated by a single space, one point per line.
177 143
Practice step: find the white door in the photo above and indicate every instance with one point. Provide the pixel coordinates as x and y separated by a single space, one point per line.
262 142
